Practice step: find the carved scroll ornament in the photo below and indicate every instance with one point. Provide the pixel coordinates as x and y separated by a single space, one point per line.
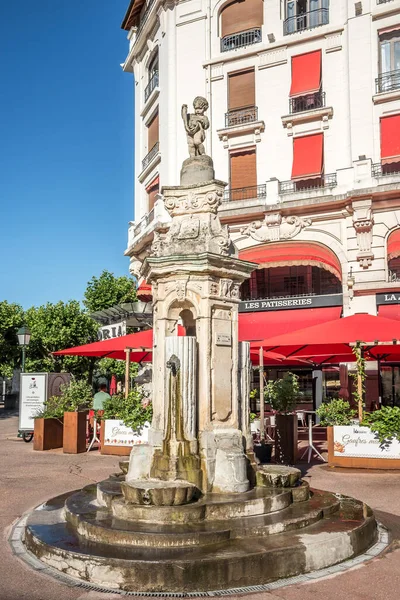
275 228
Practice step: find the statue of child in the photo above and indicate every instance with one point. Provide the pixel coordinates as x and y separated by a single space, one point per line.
195 125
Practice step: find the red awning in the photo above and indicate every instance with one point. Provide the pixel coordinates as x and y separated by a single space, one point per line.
390 311
261 325
306 73
144 292
308 156
393 244
390 139
294 254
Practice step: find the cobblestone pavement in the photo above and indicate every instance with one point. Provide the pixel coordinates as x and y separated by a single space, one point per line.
28 478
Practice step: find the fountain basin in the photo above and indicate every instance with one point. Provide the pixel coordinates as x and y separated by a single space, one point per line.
155 492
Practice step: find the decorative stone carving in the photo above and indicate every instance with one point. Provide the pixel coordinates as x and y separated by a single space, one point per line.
195 225
195 125
363 222
275 228
226 288
180 289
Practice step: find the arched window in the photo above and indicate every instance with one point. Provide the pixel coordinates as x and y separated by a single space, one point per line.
241 23
393 255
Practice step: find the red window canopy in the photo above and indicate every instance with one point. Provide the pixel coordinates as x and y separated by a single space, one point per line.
144 292
261 325
390 139
390 311
294 254
393 244
306 73
308 156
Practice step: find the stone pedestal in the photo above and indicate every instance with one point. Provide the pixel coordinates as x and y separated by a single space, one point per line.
196 279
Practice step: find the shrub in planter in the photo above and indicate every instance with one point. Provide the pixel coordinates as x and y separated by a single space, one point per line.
77 398
282 395
48 429
385 423
134 411
335 412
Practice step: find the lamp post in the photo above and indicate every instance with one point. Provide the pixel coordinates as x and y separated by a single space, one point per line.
24 337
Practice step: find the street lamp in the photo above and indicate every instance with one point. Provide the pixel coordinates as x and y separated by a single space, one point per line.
24 337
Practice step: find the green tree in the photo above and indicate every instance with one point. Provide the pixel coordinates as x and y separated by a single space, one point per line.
56 327
108 290
11 319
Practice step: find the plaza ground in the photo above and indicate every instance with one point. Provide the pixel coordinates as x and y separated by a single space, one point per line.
28 478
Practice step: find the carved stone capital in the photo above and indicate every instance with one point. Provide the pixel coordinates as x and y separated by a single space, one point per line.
274 228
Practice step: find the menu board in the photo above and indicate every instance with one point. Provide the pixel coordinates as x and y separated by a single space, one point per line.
33 392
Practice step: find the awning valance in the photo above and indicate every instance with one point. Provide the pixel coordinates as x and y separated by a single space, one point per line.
294 254
306 73
393 244
390 139
260 325
308 156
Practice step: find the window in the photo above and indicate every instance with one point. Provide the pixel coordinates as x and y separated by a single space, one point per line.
241 98
152 141
389 61
393 255
243 174
308 161
298 280
152 77
390 144
305 90
152 190
305 14
241 23
390 376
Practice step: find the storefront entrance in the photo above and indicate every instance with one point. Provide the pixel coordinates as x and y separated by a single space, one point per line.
390 379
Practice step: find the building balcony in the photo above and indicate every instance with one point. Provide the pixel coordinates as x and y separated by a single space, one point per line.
254 192
304 185
385 170
308 20
393 276
241 116
153 83
307 102
388 82
383 1
242 39
140 234
149 157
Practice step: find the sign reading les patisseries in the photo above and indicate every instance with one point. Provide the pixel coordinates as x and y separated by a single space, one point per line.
291 303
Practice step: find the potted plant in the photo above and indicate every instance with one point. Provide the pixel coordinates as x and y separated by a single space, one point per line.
385 424
48 427
335 412
282 395
77 398
123 421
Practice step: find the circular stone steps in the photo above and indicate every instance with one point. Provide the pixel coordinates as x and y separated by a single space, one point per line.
341 534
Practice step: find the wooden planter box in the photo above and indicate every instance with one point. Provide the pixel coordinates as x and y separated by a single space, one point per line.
359 440
48 434
75 432
286 439
116 450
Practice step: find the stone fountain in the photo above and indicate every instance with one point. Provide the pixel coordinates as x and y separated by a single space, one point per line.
194 512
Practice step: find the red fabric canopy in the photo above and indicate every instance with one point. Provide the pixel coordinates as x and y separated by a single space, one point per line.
294 253
308 156
335 336
306 73
261 325
145 292
390 139
393 245
141 343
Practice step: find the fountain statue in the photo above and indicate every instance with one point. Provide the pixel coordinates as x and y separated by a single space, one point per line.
193 511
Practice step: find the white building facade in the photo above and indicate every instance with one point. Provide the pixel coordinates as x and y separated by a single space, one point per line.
304 110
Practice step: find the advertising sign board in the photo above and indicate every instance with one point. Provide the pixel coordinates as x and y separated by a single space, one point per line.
361 442
117 434
33 395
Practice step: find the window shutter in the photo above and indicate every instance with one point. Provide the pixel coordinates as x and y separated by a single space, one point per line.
243 169
152 131
390 139
241 91
308 156
240 16
152 190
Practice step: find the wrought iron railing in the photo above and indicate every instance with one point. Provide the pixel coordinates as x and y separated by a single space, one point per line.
383 1
301 185
138 228
241 116
153 83
149 157
308 20
307 102
247 193
382 170
145 15
393 276
238 40
387 82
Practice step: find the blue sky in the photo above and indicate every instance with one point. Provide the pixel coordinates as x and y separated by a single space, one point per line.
66 147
